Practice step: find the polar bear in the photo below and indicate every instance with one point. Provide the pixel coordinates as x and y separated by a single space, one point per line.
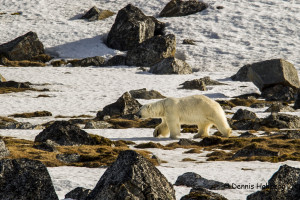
193 110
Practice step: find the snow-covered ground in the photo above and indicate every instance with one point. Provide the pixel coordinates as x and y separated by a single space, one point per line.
241 33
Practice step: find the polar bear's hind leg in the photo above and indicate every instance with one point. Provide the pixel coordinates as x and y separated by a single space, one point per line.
161 130
203 130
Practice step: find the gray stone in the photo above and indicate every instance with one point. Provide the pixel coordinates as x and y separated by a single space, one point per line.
186 142
116 61
269 73
145 94
176 8
97 125
202 194
25 179
279 107
3 150
132 176
254 150
242 114
96 14
152 51
68 158
78 193
25 47
131 28
15 125
279 93
64 133
283 185
188 41
191 179
246 124
90 61
125 106
171 66
195 84
279 120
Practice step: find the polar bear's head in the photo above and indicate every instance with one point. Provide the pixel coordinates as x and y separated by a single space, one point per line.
152 110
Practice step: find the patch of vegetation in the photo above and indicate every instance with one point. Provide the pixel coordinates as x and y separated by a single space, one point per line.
32 114
188 160
22 63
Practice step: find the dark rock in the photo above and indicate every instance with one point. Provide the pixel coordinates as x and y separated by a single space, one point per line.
279 120
202 194
210 141
97 125
125 106
78 193
116 61
14 84
191 179
269 73
176 8
246 124
186 142
247 134
188 41
279 107
152 51
68 158
64 133
220 7
90 61
3 150
283 185
16 125
131 28
254 150
171 66
297 102
209 81
96 14
24 179
132 176
242 114
25 47
49 145
144 94
279 93
195 84
2 79
159 26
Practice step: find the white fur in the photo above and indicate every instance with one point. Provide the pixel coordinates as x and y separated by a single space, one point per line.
197 109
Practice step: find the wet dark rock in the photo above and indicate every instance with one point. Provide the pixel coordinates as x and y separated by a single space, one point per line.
90 61
125 106
68 158
152 51
200 193
78 193
132 176
268 73
25 47
64 133
24 179
279 107
191 179
171 66
242 114
279 120
254 150
116 61
283 185
3 150
279 93
195 84
145 94
96 14
176 8
131 27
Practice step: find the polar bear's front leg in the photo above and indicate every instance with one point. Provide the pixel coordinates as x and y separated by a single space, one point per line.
203 130
162 129
174 126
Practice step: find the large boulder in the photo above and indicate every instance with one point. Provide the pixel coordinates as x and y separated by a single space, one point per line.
269 73
279 93
243 114
283 185
176 8
132 176
280 120
25 47
125 106
3 150
64 133
131 28
24 179
96 14
171 66
152 51
191 179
